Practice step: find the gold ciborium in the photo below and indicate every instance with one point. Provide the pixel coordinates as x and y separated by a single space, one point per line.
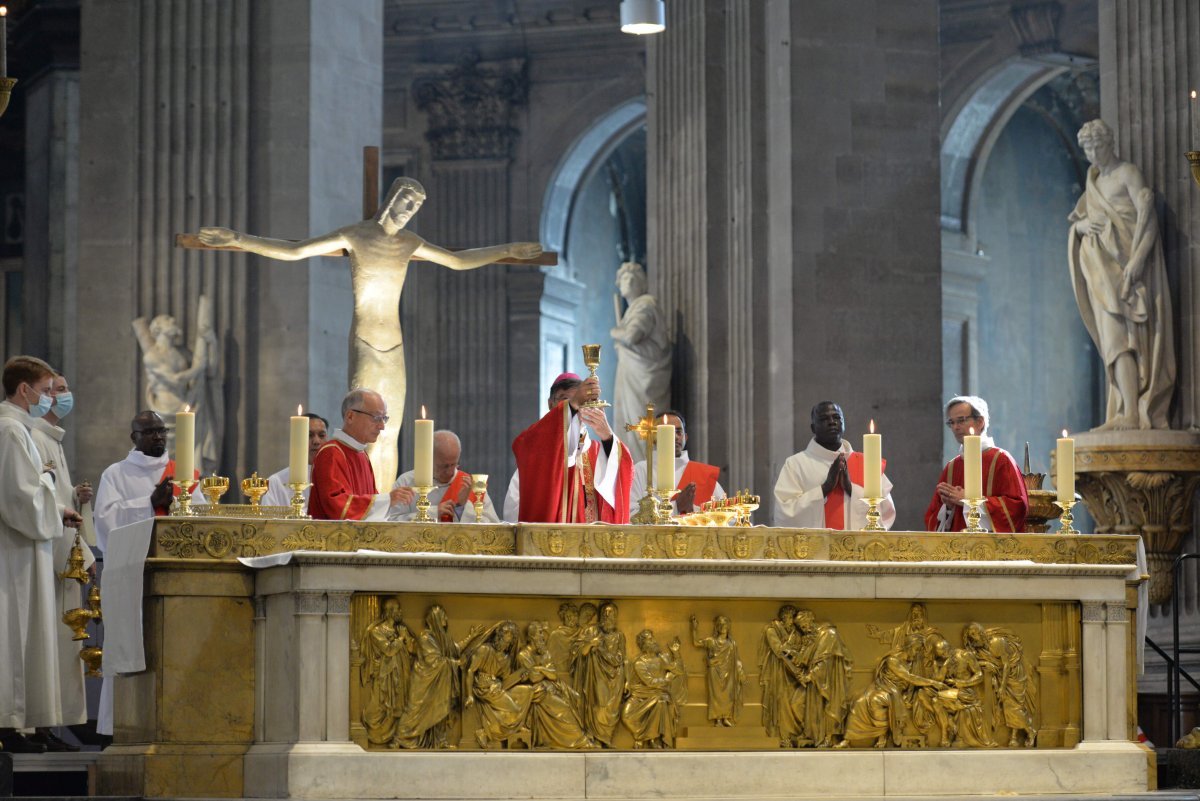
479 490
75 564
213 488
591 360
254 488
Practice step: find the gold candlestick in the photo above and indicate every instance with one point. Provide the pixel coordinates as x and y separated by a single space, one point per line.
662 514
973 515
873 523
479 489
423 505
298 501
1066 519
182 507
645 429
591 360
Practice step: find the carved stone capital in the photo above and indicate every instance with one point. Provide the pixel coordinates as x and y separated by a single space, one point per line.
1141 482
339 602
309 603
470 107
1117 613
1093 612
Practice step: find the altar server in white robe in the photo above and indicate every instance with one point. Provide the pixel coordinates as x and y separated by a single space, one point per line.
278 492
48 436
452 498
821 487
136 488
30 521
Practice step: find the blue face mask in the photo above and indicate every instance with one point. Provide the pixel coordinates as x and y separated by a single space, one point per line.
43 405
64 402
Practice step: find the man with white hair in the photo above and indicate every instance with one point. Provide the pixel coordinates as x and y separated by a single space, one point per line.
1005 496
451 496
343 481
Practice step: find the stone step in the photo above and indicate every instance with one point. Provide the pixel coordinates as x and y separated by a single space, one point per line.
57 775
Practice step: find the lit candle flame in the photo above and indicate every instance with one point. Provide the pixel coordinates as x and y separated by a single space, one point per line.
4 13
186 408
1065 430
299 409
971 430
422 411
664 420
1193 95
872 426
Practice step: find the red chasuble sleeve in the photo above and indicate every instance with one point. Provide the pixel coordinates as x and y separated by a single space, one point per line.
169 472
705 476
606 513
541 453
1007 501
343 484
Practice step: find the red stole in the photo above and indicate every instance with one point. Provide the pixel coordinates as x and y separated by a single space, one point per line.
705 476
343 483
554 493
455 486
169 472
1005 496
835 502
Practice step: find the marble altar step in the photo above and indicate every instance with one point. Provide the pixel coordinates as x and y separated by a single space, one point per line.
56 775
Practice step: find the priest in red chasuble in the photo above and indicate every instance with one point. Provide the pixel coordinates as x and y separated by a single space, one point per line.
822 485
696 481
343 482
1007 500
564 475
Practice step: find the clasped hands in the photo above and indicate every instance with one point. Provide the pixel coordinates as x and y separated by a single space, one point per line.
838 476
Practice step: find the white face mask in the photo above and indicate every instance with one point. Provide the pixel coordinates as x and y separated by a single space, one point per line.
42 407
64 402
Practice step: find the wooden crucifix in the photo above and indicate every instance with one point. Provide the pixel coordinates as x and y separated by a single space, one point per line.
380 249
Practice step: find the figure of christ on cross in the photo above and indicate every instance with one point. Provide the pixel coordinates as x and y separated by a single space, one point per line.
379 249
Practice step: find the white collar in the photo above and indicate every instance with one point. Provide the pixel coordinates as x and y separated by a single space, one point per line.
10 409
48 428
346 439
819 451
139 459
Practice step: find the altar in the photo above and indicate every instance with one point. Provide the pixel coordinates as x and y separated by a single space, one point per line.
246 652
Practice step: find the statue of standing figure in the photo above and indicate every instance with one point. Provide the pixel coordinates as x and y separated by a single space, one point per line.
175 380
1120 283
643 348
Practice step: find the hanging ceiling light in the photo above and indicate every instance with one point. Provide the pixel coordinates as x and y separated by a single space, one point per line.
643 16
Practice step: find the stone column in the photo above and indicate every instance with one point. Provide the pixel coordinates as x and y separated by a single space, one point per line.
1117 645
1095 660
777 184
310 683
337 667
459 331
248 115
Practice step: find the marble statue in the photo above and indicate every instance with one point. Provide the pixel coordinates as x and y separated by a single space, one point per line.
643 348
379 249
174 379
1120 283
657 693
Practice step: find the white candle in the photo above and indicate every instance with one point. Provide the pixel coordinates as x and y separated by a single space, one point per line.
185 445
973 466
1194 143
1065 459
664 464
3 41
873 469
298 446
423 451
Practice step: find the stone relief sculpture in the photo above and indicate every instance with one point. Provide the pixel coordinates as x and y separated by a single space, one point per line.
509 694
723 674
490 684
657 691
380 250
388 648
600 675
553 714
643 345
175 379
1120 283
433 705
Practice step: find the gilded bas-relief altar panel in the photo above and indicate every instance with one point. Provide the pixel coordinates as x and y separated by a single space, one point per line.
503 672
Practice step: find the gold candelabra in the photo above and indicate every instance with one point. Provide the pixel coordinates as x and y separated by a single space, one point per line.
591 360
1066 520
478 492
423 505
298 501
973 515
182 507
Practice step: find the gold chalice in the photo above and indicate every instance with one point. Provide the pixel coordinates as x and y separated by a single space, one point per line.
479 488
254 488
213 488
591 360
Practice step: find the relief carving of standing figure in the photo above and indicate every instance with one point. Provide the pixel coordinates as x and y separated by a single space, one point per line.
724 675
600 676
779 693
433 704
387 647
824 669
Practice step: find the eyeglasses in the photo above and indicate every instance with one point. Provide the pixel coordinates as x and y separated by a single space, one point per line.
378 418
152 432
958 421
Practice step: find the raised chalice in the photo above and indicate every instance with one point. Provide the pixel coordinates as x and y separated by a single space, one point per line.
591 360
